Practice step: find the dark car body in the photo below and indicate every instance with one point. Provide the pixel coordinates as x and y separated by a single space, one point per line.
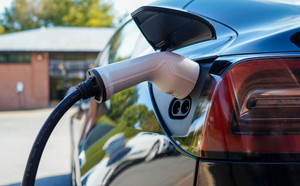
240 124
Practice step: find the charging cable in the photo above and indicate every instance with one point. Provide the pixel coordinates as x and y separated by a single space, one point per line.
169 72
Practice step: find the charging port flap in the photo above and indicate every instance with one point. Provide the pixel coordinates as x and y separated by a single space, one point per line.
169 29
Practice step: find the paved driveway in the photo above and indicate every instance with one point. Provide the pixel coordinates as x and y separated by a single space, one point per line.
18 130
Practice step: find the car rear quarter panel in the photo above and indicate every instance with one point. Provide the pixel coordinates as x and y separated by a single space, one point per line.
122 142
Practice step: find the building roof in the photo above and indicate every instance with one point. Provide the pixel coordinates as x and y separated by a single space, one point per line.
57 39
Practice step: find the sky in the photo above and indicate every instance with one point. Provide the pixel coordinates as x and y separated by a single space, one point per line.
121 6
3 4
129 5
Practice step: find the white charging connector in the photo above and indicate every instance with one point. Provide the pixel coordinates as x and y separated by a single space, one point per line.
169 72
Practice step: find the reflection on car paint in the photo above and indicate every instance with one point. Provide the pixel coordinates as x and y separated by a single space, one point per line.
124 136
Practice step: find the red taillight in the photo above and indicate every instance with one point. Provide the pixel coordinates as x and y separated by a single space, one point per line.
254 111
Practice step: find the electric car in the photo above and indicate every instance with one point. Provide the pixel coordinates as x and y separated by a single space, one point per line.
239 126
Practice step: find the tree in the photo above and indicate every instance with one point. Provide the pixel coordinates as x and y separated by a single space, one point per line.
51 12
89 13
29 14
21 16
120 101
2 29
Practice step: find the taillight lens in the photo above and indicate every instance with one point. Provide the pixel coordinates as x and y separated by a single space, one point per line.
254 112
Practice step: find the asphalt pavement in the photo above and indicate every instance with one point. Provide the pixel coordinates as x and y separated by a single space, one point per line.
18 130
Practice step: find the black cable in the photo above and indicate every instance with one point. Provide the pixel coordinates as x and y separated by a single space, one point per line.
43 136
84 90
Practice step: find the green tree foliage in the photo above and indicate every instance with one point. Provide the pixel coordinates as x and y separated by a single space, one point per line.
89 13
21 16
2 29
29 14
138 116
133 115
52 12
120 101
125 112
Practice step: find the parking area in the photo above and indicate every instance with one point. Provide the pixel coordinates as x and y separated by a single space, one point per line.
18 130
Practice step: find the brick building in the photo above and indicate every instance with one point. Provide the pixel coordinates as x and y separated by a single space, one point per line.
39 65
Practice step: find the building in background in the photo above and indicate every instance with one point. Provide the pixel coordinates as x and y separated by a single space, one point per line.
39 65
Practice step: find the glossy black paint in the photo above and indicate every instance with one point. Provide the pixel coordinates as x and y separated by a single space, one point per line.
216 173
122 142
262 26
295 38
244 30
